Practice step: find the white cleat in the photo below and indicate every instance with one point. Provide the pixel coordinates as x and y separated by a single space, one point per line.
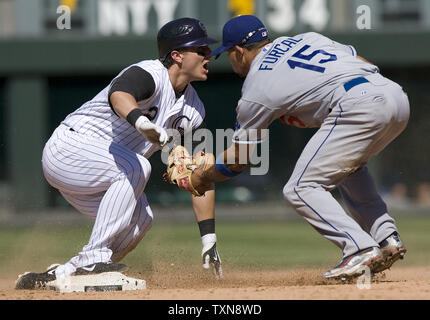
353 265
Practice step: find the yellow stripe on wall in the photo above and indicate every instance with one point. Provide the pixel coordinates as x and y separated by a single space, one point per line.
72 4
241 7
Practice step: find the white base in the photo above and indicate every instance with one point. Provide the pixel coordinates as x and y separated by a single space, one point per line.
107 281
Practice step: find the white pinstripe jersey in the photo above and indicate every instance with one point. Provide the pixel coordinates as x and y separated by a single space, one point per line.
95 118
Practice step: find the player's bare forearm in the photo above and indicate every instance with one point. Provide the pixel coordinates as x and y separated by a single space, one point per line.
203 180
123 103
204 207
235 159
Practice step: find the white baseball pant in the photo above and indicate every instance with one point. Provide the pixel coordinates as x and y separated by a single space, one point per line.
105 181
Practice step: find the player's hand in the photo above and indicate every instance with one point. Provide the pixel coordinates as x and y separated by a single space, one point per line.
153 133
210 255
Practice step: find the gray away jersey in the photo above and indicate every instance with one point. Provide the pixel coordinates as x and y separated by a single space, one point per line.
95 118
297 79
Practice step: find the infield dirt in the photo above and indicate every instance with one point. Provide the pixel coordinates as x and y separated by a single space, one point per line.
169 283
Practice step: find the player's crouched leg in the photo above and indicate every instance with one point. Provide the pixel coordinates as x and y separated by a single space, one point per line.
129 238
289 194
137 171
304 198
294 193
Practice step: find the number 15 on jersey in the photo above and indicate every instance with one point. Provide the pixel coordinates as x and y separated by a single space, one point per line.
302 56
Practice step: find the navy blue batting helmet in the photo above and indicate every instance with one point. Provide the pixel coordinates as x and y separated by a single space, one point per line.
181 33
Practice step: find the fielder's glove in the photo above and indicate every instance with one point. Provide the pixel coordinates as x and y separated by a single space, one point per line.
152 132
210 255
181 165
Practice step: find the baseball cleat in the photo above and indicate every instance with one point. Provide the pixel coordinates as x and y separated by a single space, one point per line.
32 280
101 267
52 266
354 265
392 249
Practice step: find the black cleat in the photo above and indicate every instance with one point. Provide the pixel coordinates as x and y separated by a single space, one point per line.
100 267
32 280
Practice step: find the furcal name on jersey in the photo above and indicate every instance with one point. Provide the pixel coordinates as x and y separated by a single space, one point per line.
277 52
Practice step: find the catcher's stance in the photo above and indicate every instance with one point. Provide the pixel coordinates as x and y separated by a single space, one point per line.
97 157
311 81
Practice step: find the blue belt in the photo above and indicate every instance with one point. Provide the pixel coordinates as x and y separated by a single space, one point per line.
354 82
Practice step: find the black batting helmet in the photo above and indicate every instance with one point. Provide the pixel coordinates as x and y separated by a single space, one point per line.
180 33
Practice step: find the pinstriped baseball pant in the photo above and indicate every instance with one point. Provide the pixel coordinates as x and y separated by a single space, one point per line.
105 181
367 119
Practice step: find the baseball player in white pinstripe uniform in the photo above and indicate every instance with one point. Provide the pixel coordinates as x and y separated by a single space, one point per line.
311 81
97 157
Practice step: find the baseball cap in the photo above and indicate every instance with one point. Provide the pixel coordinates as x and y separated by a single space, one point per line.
241 30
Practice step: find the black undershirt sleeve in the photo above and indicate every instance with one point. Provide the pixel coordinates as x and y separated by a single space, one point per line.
135 81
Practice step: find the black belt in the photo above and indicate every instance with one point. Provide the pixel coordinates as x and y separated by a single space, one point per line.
354 82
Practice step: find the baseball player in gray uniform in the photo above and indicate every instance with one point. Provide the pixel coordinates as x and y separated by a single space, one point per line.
98 156
311 81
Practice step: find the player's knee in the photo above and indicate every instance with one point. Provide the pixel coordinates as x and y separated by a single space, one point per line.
144 171
137 171
146 166
289 192
140 168
293 192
